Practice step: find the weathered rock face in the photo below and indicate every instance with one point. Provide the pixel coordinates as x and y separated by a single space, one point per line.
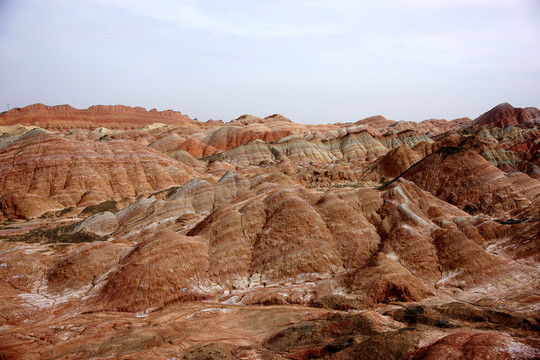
163 269
250 242
46 172
353 147
21 269
433 238
180 207
80 268
426 148
282 236
393 164
247 119
110 116
244 130
431 127
285 235
408 137
384 279
10 134
197 148
377 121
22 205
353 235
504 115
228 137
436 242
465 179
475 345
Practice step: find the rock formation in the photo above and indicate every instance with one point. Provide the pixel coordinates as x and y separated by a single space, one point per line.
393 164
66 117
465 179
266 239
504 115
42 172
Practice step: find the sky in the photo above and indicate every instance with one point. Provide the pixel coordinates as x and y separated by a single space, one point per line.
314 61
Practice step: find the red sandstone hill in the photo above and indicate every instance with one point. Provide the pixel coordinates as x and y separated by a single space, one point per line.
117 243
463 178
504 115
377 121
109 116
40 172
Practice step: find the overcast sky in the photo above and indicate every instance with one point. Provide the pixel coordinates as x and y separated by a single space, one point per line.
314 61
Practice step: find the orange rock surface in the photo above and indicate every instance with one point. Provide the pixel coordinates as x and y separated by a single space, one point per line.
265 239
42 172
504 115
110 116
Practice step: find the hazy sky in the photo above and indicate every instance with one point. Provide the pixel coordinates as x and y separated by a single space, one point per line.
314 61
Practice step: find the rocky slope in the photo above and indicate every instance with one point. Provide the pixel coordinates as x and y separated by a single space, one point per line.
375 240
504 115
43 172
464 178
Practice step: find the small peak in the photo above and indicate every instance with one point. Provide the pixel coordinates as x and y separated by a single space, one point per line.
377 121
246 119
228 175
215 122
503 105
277 117
503 115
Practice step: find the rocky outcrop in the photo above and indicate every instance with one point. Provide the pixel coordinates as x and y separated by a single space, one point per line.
430 127
352 147
250 119
504 115
228 137
393 164
179 207
283 244
378 239
384 279
80 268
109 116
465 179
255 236
163 269
407 137
46 172
197 148
377 121
474 345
